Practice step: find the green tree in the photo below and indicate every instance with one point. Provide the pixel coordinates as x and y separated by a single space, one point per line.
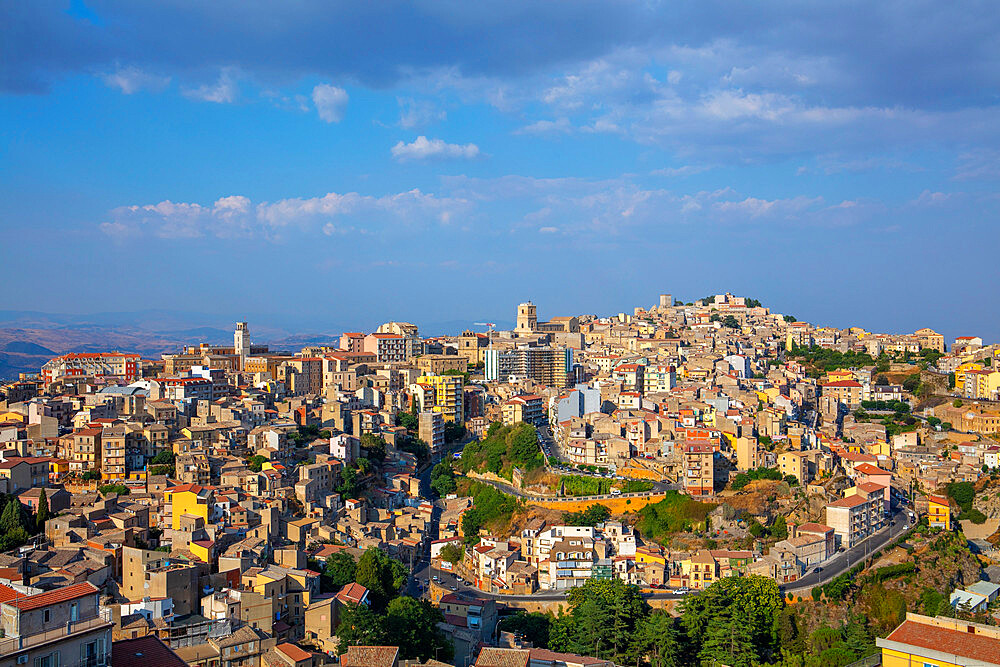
453 431
374 445
591 516
43 511
381 575
349 486
533 626
656 641
408 420
778 527
166 457
443 479
256 462
734 612
339 570
452 553
411 625
360 625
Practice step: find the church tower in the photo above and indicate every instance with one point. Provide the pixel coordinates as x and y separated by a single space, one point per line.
527 318
241 343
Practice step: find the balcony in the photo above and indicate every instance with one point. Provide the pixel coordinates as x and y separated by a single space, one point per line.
15 644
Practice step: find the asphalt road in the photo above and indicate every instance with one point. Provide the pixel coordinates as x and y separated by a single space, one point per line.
843 562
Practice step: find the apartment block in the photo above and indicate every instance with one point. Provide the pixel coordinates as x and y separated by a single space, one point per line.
699 469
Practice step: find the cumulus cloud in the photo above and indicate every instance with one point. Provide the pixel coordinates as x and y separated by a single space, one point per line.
237 217
132 79
225 90
330 102
423 148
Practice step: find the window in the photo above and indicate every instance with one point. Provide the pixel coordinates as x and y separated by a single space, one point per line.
45 616
74 612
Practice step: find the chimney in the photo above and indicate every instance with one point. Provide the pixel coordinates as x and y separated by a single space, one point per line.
793 530
25 575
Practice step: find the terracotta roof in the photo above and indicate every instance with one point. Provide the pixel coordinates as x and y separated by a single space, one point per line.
293 652
47 598
149 651
503 657
850 501
869 469
369 656
943 640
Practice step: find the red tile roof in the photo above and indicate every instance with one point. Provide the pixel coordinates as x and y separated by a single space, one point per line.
979 648
47 598
293 652
149 651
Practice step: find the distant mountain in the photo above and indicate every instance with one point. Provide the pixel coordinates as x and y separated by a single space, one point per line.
24 347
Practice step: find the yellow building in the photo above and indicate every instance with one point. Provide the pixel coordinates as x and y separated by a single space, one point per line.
839 376
961 370
922 641
448 396
938 512
188 499
983 383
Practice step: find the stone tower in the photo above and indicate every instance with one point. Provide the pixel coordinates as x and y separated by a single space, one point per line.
666 301
527 318
241 343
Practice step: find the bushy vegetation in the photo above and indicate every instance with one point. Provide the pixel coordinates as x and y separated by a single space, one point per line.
822 360
443 479
900 407
591 516
503 448
636 486
675 513
963 493
582 485
744 478
489 507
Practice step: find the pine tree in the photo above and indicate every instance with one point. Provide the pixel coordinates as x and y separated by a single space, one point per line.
10 520
43 511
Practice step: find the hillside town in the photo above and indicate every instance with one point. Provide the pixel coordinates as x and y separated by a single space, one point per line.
685 483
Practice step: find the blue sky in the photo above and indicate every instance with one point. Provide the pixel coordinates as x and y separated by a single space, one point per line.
345 163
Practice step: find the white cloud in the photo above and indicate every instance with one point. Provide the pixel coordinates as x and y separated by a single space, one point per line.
548 230
237 217
330 102
558 126
224 91
131 80
423 148
418 113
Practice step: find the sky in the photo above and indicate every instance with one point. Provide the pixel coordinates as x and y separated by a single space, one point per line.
329 163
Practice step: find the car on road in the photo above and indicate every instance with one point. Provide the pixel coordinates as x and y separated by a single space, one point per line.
818 570
683 590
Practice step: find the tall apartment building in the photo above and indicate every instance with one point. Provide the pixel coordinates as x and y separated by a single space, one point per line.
113 450
448 396
114 364
302 375
549 366
414 346
61 627
386 347
699 469
86 454
855 518
430 429
659 377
